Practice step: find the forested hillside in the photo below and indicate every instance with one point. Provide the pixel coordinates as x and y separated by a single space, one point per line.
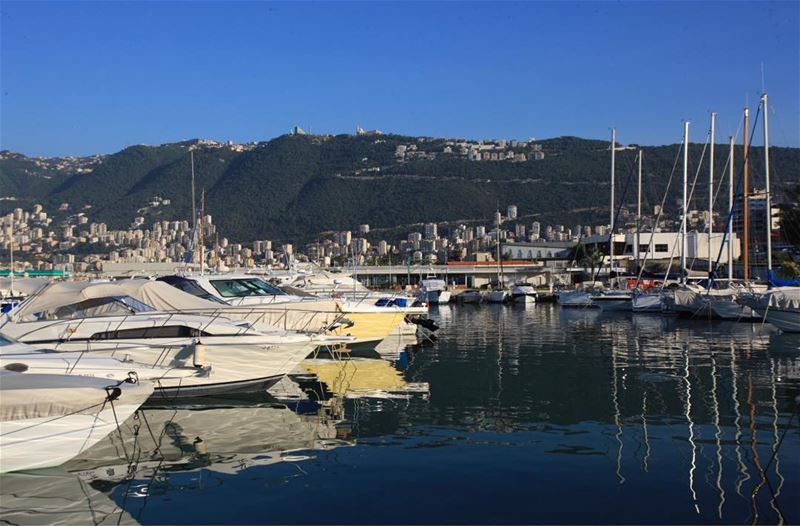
295 186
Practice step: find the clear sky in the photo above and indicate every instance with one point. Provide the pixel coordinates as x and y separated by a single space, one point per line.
93 77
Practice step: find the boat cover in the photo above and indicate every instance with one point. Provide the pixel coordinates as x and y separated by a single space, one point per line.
295 315
775 281
25 396
22 286
62 294
785 298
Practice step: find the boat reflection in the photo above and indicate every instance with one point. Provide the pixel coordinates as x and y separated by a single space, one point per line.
54 496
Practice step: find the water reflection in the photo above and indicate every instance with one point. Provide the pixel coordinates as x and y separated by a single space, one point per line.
525 415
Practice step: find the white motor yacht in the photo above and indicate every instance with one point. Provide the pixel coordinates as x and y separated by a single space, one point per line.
102 320
22 358
524 294
46 419
434 291
364 320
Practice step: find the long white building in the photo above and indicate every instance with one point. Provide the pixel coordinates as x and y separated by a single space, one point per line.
665 245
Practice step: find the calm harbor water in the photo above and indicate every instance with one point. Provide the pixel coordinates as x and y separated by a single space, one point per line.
530 415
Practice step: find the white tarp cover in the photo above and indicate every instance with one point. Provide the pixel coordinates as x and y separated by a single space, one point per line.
787 298
62 294
24 396
294 316
299 316
163 296
22 286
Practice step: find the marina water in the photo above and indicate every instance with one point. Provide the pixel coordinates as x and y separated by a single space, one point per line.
534 414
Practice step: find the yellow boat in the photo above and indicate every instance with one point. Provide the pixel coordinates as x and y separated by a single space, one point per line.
371 324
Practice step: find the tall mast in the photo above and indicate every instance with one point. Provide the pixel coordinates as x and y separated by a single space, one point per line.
639 211
11 252
765 110
685 186
611 231
711 189
202 228
730 211
194 211
746 204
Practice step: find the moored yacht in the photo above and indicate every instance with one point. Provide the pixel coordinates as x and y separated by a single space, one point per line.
524 293
47 419
434 291
101 319
366 321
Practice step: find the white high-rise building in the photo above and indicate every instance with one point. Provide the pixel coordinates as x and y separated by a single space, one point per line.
536 230
431 231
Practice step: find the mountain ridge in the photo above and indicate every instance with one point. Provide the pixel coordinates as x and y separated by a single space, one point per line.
293 187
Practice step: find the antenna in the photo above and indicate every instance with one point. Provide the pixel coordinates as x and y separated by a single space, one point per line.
763 84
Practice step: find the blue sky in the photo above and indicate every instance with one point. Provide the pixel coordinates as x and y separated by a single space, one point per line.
92 77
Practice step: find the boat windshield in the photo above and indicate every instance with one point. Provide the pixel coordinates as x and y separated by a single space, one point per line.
191 287
108 306
240 288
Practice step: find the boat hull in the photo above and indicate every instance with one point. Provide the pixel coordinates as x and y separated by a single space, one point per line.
575 299
615 304
51 439
220 368
732 311
497 296
647 303
785 320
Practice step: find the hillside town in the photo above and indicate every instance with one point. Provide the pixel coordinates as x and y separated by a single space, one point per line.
78 244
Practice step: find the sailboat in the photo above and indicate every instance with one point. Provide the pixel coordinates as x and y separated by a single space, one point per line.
499 293
616 300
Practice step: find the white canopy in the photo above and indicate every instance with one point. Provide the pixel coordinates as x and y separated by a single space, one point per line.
26 396
64 293
22 286
163 296
787 298
300 316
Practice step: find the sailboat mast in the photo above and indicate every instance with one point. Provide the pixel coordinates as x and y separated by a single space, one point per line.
711 189
194 211
730 210
611 231
639 212
202 228
685 203
746 204
11 252
765 110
